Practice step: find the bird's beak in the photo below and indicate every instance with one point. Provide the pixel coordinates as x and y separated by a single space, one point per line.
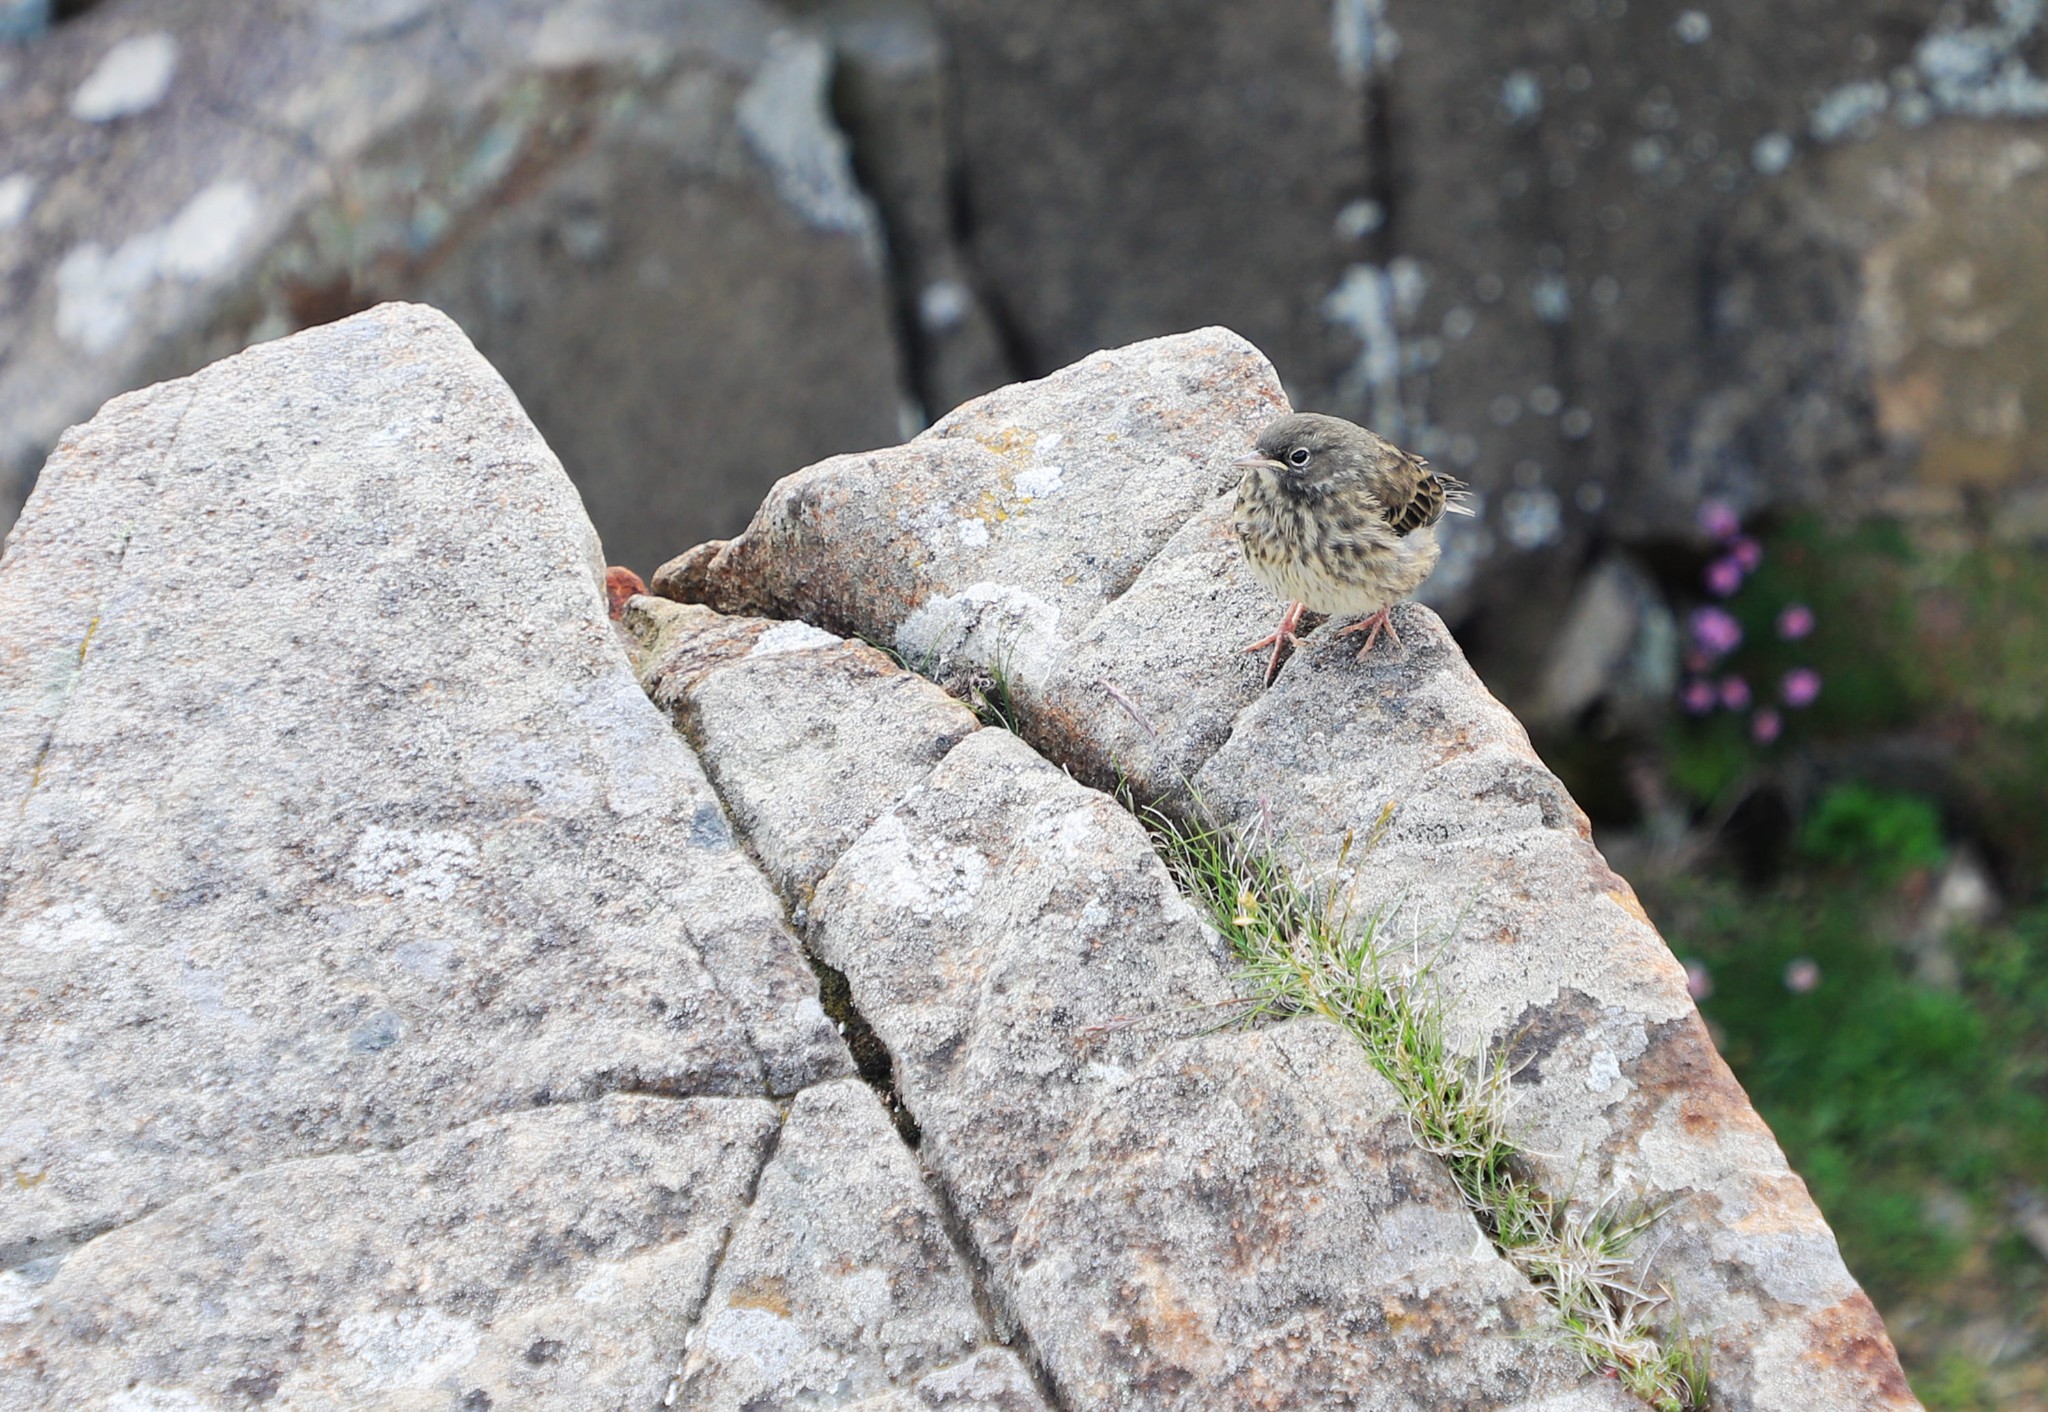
1256 460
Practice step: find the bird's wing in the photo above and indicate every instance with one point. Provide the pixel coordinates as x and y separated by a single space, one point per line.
1412 495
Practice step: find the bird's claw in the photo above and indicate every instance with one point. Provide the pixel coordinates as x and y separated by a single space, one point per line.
1372 627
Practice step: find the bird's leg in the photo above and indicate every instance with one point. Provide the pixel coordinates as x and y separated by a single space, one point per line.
1372 627
1282 636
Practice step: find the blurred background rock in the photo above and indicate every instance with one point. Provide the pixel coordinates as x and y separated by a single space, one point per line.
1736 315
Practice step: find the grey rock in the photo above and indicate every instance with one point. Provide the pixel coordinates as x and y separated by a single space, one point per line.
1618 644
993 1380
641 212
1146 692
1486 864
1104 585
1016 944
808 737
998 534
1158 166
1538 947
1171 1219
545 1258
1246 1222
841 1286
336 816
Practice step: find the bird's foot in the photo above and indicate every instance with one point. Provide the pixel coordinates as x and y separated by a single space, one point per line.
1280 638
1372 627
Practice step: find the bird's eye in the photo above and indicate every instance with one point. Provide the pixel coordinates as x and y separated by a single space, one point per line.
1298 456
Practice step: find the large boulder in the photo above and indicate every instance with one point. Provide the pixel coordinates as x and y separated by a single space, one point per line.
1113 608
642 213
391 1015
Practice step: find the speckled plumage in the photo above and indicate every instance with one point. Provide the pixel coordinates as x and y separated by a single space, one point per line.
1336 519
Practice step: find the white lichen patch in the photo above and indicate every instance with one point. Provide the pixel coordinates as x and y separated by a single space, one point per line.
132 77
17 195
72 927
926 882
1603 1071
984 623
792 637
416 866
772 1342
1040 481
410 1348
18 1298
100 293
785 117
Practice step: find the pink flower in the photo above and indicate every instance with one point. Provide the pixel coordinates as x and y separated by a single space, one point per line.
1735 693
1697 696
1718 518
1802 977
1724 576
1765 726
1795 621
1746 553
1800 686
1715 631
1699 981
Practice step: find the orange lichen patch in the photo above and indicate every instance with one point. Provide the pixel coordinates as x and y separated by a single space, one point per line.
1680 1062
1850 1336
769 1293
1625 898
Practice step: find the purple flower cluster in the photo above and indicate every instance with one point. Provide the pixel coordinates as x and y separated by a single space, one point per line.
1713 634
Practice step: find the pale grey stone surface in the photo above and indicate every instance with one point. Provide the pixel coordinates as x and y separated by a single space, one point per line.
1013 939
1486 859
1489 867
841 1287
1173 1217
1147 690
808 736
335 816
993 1380
1247 1223
639 210
998 534
540 1259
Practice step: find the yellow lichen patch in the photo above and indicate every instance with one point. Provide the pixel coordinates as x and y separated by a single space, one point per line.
769 1293
1010 441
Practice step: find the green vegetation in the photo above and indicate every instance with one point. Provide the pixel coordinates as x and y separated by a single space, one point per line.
1917 1112
1905 1073
1305 951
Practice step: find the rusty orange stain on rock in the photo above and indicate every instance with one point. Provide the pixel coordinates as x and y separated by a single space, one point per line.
1850 1336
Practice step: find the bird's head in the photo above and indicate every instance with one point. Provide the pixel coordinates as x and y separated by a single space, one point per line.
1305 451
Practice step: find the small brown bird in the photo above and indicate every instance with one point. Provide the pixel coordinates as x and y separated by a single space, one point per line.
1335 519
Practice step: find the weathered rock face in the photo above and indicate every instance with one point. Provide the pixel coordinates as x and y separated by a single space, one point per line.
391 1016
642 213
1484 859
1168 1216
1161 165
587 1233
842 1288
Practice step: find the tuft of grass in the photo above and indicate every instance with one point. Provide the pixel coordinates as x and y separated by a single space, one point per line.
1306 951
989 690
